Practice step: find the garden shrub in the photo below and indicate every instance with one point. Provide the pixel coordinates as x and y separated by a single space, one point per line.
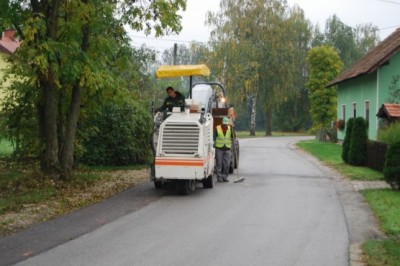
347 139
19 124
119 135
358 142
391 170
390 134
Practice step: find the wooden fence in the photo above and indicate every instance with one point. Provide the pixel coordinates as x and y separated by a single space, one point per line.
376 152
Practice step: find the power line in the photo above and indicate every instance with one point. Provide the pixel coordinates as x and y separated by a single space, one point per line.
163 39
392 2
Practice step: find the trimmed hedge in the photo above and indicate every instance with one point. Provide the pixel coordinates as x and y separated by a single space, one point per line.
392 165
347 140
358 142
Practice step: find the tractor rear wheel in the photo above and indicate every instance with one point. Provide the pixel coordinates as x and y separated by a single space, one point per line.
208 182
158 184
184 187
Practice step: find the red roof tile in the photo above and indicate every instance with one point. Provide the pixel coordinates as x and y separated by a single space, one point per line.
372 60
391 110
8 44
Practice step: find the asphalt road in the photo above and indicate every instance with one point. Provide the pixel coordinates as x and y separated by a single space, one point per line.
290 210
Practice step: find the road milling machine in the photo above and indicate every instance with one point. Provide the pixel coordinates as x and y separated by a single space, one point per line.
183 144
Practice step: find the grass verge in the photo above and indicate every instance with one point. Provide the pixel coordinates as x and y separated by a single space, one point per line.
26 197
384 203
330 154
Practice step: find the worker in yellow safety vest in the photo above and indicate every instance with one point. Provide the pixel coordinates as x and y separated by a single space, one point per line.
223 143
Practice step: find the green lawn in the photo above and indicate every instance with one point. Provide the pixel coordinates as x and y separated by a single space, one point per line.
385 203
330 154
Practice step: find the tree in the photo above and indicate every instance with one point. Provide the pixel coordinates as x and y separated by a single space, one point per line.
358 142
12 15
291 113
347 140
318 37
324 66
69 55
341 36
351 43
366 37
257 48
194 53
391 169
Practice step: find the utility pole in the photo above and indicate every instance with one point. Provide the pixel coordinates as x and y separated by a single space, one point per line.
175 52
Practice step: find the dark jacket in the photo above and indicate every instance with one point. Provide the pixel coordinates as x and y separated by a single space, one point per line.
169 103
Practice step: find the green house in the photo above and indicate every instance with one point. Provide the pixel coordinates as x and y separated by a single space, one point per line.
364 87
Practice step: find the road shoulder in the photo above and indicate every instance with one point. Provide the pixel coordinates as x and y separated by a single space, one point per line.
44 236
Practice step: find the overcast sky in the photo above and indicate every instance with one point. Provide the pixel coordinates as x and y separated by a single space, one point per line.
385 14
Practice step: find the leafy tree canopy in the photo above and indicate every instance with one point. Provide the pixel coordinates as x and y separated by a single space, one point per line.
73 54
351 43
258 48
324 66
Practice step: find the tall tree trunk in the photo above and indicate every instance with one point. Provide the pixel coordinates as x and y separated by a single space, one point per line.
268 122
321 134
67 153
50 162
253 115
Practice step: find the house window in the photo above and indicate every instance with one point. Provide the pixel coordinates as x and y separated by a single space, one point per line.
343 112
367 112
354 110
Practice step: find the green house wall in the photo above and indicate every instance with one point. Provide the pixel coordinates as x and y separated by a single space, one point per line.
372 88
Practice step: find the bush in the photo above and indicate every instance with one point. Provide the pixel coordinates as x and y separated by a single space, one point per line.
119 135
347 140
358 142
19 125
390 134
391 170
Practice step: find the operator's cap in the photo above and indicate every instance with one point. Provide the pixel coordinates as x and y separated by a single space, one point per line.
225 120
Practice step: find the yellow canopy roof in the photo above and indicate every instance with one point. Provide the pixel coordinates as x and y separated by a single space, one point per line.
182 70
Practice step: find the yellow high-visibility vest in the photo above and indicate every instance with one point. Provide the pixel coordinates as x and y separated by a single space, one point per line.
223 140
